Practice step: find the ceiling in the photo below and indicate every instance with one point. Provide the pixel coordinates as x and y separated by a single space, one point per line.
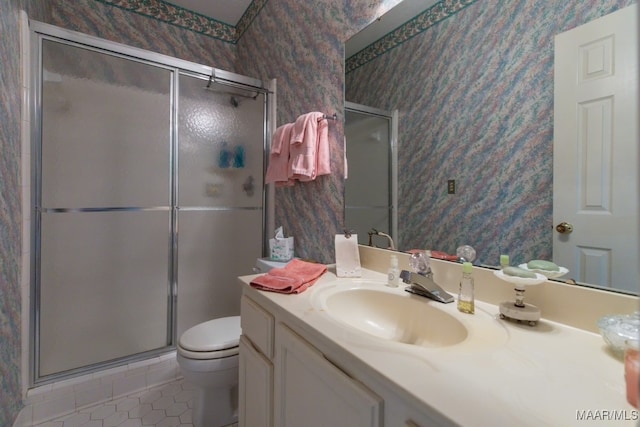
230 12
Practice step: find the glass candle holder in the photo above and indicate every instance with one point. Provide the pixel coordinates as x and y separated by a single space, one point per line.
631 369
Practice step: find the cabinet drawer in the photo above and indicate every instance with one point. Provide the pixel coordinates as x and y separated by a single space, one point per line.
257 325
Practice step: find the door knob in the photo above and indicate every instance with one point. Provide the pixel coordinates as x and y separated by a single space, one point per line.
564 228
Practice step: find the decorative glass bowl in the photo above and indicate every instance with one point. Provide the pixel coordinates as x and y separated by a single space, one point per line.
618 328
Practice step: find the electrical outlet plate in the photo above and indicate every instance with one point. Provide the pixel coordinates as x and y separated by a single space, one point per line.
451 186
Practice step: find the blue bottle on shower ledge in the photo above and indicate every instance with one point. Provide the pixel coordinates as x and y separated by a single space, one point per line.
238 160
224 157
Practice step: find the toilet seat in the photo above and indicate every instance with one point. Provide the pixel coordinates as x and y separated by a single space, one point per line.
208 355
213 339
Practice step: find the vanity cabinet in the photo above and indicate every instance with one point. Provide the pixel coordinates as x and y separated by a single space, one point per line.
255 400
286 381
310 391
303 365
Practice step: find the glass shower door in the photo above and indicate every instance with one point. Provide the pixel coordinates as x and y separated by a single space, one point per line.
102 209
369 189
221 139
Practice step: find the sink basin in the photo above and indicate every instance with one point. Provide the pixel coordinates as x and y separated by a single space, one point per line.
395 316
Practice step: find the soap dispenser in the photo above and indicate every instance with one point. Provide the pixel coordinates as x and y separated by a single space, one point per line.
465 295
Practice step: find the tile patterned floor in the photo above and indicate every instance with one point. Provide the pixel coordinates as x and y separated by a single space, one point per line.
168 405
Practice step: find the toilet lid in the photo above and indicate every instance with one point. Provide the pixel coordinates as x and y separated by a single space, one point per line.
213 335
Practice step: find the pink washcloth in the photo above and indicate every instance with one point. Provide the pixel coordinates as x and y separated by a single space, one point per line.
294 278
309 154
278 168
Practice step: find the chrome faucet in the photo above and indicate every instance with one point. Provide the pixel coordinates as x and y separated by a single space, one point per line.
423 285
374 232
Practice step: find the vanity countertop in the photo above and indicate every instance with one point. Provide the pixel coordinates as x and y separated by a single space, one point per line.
504 373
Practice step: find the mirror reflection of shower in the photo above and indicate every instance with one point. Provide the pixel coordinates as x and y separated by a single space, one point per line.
370 188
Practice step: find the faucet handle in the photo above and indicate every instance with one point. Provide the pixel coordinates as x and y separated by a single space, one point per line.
466 253
419 262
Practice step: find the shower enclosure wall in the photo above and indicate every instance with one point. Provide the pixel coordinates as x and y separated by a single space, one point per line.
147 199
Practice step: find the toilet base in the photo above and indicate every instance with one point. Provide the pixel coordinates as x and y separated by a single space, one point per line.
215 407
215 402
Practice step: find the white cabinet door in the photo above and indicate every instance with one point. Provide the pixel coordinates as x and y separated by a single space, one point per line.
312 392
256 387
397 414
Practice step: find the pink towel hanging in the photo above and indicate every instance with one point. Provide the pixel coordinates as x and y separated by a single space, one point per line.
300 151
278 168
309 154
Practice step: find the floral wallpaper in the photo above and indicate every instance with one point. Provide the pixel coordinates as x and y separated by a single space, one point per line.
10 213
487 98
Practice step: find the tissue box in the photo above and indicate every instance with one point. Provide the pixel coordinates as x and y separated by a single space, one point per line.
281 249
264 265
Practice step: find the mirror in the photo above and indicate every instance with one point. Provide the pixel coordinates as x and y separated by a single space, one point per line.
474 91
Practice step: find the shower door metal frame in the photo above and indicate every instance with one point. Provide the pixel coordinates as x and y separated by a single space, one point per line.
392 119
40 31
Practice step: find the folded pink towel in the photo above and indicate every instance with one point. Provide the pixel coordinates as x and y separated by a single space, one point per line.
294 278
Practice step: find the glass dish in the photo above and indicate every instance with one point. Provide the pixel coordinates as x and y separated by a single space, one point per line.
617 328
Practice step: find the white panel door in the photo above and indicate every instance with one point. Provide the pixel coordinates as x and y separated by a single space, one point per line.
596 151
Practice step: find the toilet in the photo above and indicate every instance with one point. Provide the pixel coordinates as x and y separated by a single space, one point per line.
208 358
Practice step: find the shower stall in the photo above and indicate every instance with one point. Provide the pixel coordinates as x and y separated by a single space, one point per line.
147 199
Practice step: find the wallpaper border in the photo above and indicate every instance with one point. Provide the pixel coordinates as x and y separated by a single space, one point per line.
171 14
418 24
